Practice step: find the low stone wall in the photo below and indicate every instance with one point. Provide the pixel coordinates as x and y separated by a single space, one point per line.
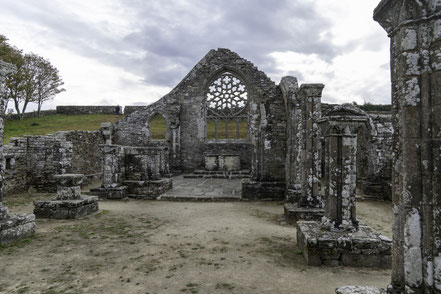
32 161
30 114
89 109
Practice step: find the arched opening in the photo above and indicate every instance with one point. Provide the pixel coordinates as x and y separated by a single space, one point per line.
227 108
158 127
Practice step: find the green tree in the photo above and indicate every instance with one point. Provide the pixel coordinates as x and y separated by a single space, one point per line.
36 79
47 81
13 84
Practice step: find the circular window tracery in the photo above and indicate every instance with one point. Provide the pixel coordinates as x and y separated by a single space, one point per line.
227 96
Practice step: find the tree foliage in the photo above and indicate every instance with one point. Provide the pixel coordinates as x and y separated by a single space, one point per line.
35 81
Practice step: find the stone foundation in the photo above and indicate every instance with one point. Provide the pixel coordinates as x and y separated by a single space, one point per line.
110 193
66 209
148 189
252 190
294 213
364 248
16 227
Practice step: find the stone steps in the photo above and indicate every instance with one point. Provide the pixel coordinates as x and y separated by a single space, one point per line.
202 174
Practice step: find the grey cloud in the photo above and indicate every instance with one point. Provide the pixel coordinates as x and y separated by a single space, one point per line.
175 35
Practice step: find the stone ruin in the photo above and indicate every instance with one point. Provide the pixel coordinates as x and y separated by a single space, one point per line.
279 157
19 226
339 239
69 202
295 145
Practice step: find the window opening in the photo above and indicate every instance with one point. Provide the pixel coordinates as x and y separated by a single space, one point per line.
227 105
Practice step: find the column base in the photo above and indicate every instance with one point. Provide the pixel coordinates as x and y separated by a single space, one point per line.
364 248
294 213
66 209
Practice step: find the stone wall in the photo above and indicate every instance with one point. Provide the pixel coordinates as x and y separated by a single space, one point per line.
32 161
377 183
129 109
239 147
89 109
185 114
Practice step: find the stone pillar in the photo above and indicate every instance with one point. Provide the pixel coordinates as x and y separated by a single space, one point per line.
68 186
112 165
106 131
306 195
289 87
311 171
341 180
415 31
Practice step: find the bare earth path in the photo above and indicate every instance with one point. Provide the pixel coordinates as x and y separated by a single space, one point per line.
175 247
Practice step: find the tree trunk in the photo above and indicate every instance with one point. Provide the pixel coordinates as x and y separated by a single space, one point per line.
39 108
23 110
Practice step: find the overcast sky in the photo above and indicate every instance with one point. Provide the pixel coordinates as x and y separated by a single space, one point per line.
135 51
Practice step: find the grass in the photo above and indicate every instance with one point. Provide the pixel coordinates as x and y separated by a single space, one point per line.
91 122
53 123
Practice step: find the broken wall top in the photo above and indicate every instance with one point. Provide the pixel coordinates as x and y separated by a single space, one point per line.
260 87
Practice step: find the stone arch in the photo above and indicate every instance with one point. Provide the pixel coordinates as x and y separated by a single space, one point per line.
158 127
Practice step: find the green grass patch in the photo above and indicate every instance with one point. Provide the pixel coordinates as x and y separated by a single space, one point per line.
91 122
53 123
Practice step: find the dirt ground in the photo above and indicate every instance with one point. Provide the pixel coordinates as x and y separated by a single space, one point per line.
151 247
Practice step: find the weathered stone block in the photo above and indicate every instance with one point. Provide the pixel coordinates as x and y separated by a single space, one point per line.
293 213
119 192
263 190
364 248
360 290
16 227
66 209
148 189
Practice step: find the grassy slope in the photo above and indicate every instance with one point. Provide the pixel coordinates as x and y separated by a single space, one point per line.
53 123
90 122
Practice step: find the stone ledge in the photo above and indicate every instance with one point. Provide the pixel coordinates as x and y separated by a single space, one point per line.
252 190
148 189
294 213
360 290
66 209
364 248
110 193
16 227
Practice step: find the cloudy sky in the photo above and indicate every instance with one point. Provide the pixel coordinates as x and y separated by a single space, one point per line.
135 51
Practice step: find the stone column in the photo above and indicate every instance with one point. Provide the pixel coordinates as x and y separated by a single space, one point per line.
112 165
106 131
415 31
311 171
341 178
306 192
68 186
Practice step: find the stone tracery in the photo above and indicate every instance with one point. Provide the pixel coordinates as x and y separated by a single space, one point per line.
227 96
